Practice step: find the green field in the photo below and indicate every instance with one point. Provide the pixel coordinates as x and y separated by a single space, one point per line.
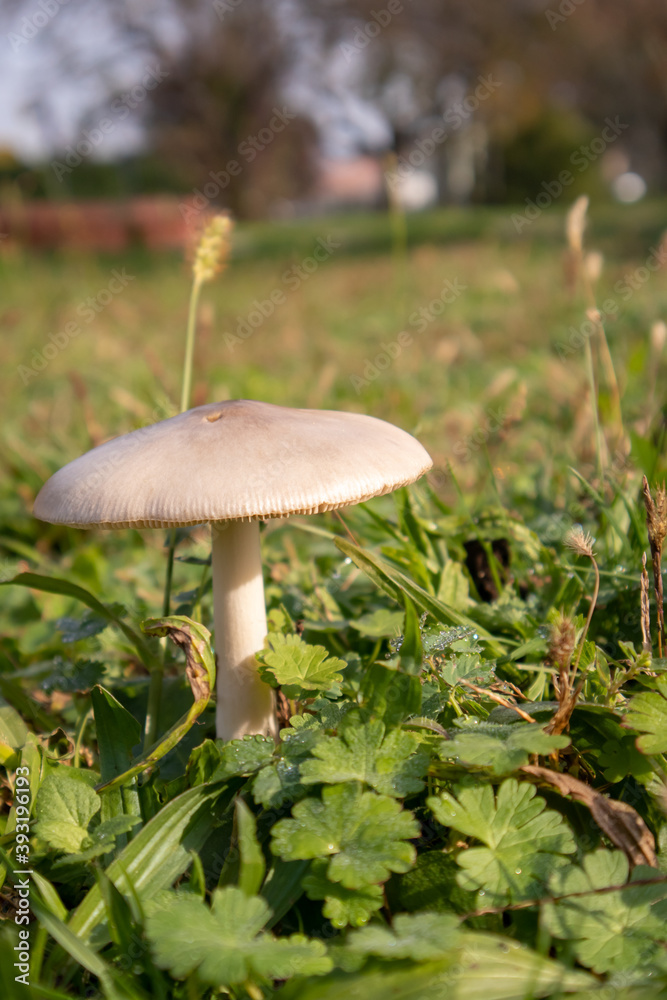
475 338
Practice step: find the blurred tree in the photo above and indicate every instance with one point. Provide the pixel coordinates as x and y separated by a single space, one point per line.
371 75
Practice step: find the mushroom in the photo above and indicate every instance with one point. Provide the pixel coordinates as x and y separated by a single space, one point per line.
234 464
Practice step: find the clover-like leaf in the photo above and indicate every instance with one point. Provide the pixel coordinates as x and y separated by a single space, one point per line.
610 931
419 936
392 763
342 906
647 713
501 748
244 756
524 841
363 833
297 666
64 807
225 944
621 757
280 782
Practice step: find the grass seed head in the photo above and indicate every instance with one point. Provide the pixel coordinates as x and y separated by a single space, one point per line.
561 642
656 516
575 224
580 541
213 249
593 262
658 338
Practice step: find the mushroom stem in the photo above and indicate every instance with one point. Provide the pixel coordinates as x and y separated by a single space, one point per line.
245 703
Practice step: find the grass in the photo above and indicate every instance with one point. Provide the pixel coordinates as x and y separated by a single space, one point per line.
474 570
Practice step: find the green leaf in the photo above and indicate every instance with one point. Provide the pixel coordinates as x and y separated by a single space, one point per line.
115 986
647 713
364 834
277 784
297 666
379 623
501 748
430 885
64 807
118 733
53 585
481 968
396 584
195 640
225 944
411 653
342 906
102 839
609 931
244 756
421 937
621 757
524 841
253 865
390 763
391 694
84 627
155 857
69 676
13 730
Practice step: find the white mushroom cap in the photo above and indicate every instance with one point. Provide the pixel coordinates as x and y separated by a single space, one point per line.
235 461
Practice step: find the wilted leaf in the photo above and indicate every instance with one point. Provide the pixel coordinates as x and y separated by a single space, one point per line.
622 824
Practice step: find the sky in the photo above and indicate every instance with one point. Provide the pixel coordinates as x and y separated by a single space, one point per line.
44 88
44 92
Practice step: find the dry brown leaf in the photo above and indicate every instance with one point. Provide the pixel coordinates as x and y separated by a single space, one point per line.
619 821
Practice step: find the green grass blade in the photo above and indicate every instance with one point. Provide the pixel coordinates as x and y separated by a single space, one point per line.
396 584
155 858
